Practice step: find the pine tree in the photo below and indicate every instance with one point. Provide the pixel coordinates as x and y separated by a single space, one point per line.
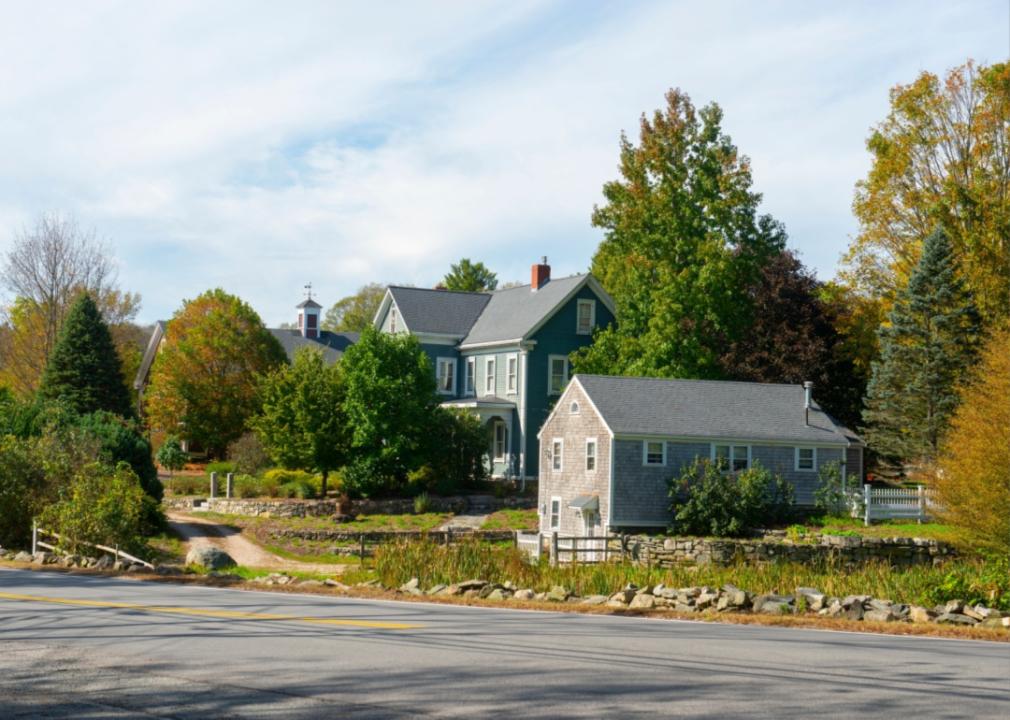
84 369
926 351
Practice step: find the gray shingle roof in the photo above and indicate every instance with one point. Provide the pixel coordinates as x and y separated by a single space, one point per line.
512 313
438 311
332 344
710 408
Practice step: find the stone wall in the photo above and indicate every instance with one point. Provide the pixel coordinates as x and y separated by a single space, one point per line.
849 551
253 507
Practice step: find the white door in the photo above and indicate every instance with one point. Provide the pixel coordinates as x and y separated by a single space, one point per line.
589 531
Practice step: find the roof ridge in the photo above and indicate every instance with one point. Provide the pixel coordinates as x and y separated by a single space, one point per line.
440 290
526 285
691 380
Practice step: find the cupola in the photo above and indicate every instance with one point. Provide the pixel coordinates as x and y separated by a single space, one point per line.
308 315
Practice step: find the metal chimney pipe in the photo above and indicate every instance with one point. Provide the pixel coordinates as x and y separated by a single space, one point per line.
808 388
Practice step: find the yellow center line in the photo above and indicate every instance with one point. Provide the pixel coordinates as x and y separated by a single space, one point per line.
201 612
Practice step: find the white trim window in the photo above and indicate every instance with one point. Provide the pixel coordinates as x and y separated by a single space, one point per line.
554 520
501 440
489 378
446 375
654 452
731 457
574 408
585 317
557 454
806 459
511 374
557 374
591 454
392 319
471 375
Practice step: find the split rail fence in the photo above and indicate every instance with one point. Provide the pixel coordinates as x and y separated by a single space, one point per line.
38 532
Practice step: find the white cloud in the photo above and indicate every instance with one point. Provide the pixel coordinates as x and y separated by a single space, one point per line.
260 148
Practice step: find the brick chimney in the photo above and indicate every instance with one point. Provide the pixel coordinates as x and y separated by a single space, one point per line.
540 274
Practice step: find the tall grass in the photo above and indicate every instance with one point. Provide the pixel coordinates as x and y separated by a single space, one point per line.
976 580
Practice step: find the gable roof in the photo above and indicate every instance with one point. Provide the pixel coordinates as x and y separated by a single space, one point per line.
332 344
710 409
438 312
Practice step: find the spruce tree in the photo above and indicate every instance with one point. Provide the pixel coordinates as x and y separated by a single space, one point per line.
926 351
84 370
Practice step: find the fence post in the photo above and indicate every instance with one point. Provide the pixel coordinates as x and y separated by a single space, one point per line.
213 485
867 500
35 536
922 504
229 485
361 549
515 540
554 547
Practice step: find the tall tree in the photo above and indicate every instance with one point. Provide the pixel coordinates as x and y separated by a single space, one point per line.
390 398
355 312
302 421
48 266
683 241
203 382
792 339
84 370
941 157
974 485
926 351
466 276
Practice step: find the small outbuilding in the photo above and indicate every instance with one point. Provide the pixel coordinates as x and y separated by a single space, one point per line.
610 446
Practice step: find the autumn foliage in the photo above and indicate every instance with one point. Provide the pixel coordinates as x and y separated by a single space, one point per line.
974 481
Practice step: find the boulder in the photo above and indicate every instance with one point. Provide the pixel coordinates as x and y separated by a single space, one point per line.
410 585
209 557
879 616
558 594
336 584
949 618
525 594
815 599
854 611
775 607
105 562
706 600
595 600
772 599
954 606
850 600
437 589
622 597
1000 623
471 585
310 583
497 594
919 614
643 601
23 557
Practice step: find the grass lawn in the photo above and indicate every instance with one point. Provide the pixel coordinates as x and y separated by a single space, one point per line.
167 548
512 520
885 529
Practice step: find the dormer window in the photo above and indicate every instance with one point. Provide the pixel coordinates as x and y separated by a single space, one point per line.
586 317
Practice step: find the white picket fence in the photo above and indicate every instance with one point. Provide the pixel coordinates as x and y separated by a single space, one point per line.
892 503
530 543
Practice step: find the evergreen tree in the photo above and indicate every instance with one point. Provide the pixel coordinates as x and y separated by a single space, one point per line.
466 276
84 369
926 351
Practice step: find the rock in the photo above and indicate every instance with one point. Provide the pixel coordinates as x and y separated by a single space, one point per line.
774 607
209 557
412 584
41 558
835 609
471 585
497 594
919 614
558 594
684 607
761 600
310 583
974 613
435 590
815 599
623 596
879 605
540 597
849 600
879 616
167 570
336 584
595 600
949 618
706 600
854 611
954 607
735 598
525 594
643 601
1001 623
23 557
105 562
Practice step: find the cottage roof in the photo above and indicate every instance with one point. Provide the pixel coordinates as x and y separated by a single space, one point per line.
439 312
710 409
332 344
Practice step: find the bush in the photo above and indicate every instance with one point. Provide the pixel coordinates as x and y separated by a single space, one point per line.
101 505
187 485
119 441
301 489
171 455
282 476
221 467
833 497
21 477
422 504
248 455
457 451
367 477
708 501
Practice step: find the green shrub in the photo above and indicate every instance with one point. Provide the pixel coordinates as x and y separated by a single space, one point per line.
709 501
100 505
832 496
282 476
187 485
301 489
367 477
422 480
21 477
248 455
458 445
221 467
171 455
422 504
120 440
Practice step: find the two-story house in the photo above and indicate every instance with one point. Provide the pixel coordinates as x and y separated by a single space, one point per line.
504 354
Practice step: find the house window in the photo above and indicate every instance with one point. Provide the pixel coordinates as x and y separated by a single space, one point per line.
471 374
489 376
512 365
446 376
731 457
574 408
654 452
392 320
806 459
557 374
555 513
557 450
590 454
586 317
500 441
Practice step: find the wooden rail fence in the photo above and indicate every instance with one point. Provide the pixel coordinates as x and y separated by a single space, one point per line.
115 551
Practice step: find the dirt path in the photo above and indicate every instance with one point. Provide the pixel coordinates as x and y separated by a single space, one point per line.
200 531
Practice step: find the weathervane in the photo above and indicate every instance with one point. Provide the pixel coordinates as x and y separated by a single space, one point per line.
308 291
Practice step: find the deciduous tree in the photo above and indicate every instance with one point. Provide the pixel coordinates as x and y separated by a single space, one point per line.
355 312
683 240
204 379
926 351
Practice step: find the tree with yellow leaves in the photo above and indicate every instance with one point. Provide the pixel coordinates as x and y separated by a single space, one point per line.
973 483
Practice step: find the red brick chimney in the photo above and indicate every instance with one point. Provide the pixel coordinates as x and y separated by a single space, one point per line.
540 274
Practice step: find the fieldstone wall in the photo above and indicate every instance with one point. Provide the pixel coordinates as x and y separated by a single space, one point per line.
847 550
253 507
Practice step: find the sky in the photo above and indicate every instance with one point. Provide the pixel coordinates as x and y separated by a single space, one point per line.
260 146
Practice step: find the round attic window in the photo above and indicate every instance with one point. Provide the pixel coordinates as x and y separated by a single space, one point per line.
574 408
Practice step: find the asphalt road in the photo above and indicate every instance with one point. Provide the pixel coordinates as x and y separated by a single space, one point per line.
86 647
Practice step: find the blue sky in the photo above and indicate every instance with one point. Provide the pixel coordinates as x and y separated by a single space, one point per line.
260 146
